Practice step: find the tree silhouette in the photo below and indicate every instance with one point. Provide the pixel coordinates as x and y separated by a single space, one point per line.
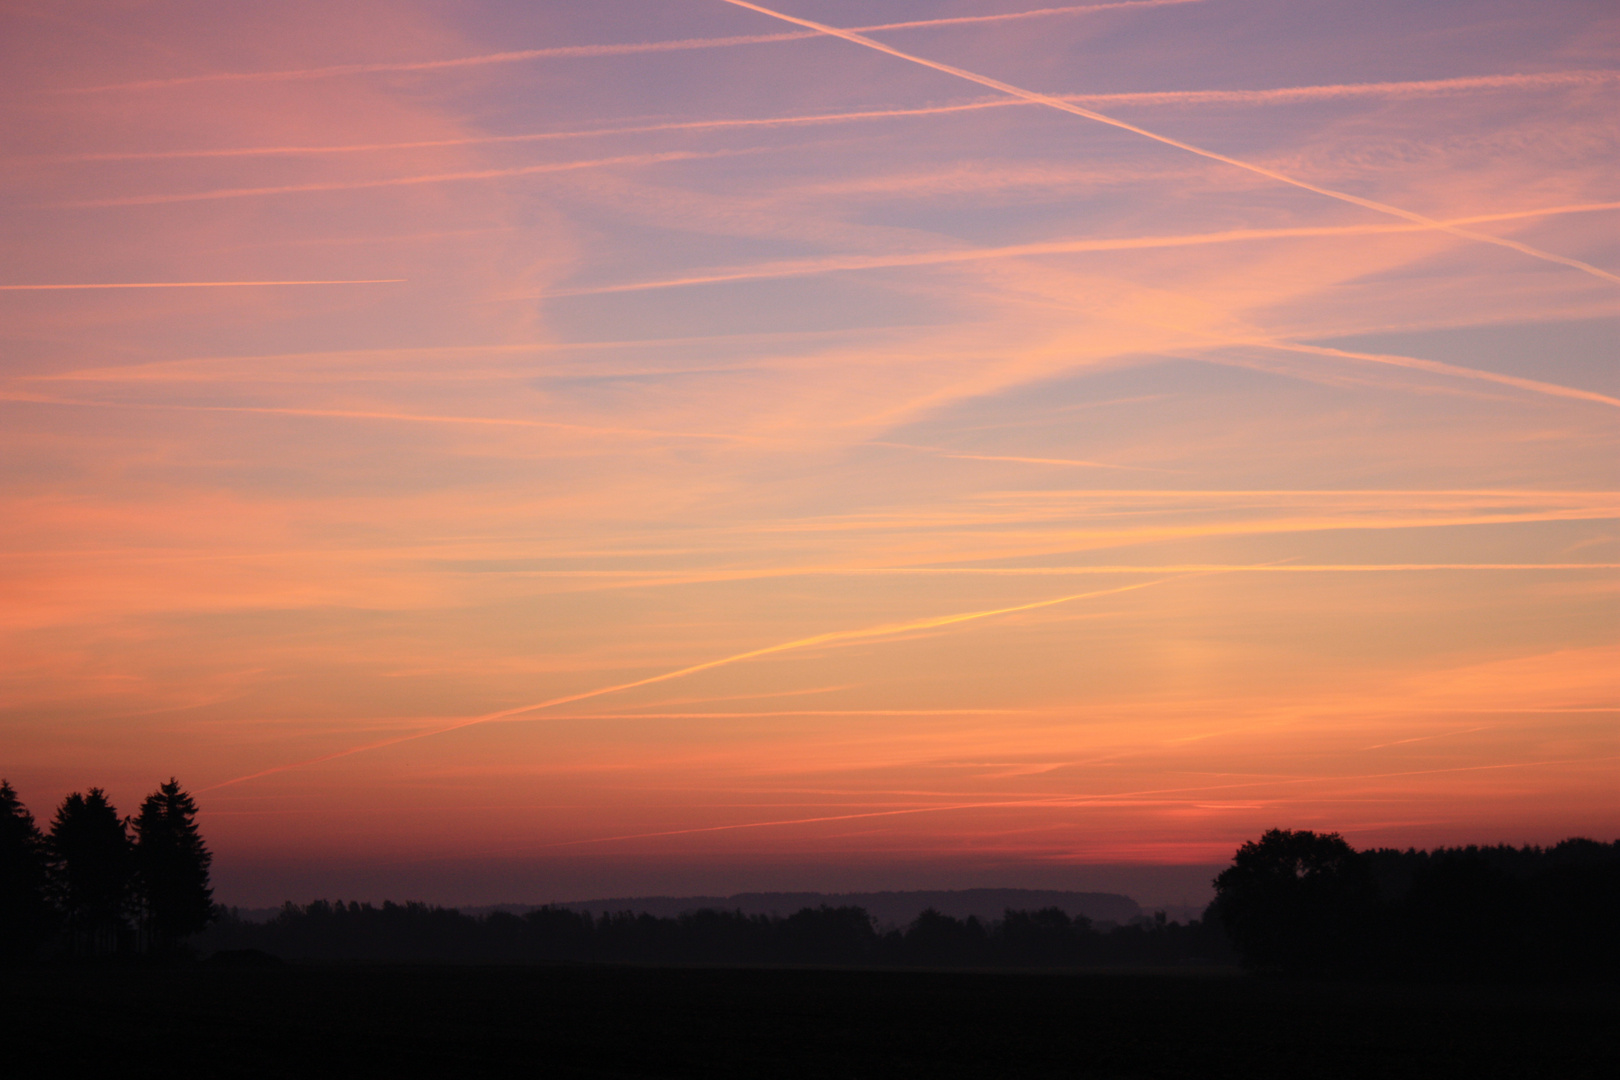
24 904
171 867
1043 937
936 938
89 853
1300 901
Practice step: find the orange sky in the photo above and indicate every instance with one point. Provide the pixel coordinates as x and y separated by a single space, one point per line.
512 451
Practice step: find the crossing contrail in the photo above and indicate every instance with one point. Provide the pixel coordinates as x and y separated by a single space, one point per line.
564 52
1063 105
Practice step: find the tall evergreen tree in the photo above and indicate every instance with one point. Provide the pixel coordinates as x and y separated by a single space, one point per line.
90 864
171 867
24 904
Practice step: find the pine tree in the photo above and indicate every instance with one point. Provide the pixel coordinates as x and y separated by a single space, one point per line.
89 859
171 866
24 905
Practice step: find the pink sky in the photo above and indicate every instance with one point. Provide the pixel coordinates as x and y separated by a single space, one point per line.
523 451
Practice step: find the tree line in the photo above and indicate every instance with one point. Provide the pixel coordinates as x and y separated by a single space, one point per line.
1297 902
96 884
1308 903
824 935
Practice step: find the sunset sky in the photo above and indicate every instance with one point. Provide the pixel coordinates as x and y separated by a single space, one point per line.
498 451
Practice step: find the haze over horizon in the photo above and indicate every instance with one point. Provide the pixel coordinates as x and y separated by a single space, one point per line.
502 451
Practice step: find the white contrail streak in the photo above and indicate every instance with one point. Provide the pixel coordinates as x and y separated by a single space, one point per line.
191 284
836 637
1069 107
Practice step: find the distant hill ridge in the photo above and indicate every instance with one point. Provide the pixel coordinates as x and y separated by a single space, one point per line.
888 908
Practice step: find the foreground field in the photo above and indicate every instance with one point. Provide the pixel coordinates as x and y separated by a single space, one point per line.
707 1022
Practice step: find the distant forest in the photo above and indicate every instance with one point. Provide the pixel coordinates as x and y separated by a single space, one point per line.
820 935
1297 903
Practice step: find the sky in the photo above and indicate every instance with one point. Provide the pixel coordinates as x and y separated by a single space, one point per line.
497 451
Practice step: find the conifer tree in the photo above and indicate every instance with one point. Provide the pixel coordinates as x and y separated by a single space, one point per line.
89 858
171 867
24 905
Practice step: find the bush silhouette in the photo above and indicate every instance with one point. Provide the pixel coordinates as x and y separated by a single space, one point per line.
1297 901
1310 904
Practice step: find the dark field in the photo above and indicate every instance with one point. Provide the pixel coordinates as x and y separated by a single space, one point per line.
704 1022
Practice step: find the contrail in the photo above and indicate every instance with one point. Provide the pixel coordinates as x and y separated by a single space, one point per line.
512 57
844 264
1278 95
776 713
1071 801
646 579
1418 87
192 284
1261 170
401 181
803 821
658 577
364 414
835 637
486 140
960 456
1076 9
1441 368
583 51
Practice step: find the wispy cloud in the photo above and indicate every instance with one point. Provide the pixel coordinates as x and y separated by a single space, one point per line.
1535 386
1015 459
1273 96
832 638
626 160
373 414
998 362
1009 16
1067 106
1071 802
1282 95
840 264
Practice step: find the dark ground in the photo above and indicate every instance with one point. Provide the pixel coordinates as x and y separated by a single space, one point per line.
373 1020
